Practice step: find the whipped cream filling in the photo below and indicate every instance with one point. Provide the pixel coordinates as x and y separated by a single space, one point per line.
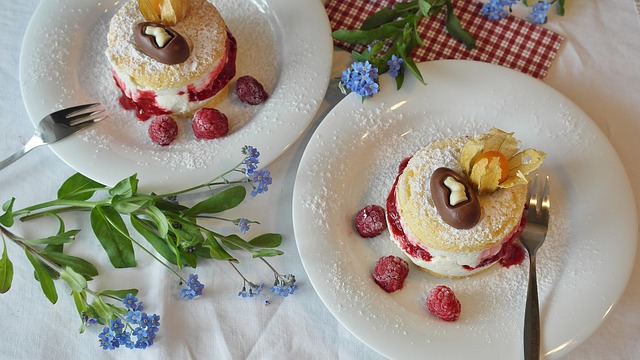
170 100
451 263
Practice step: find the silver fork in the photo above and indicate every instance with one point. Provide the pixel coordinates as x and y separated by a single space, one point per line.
532 237
59 125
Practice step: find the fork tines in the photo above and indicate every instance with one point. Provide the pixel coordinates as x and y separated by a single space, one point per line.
81 114
537 201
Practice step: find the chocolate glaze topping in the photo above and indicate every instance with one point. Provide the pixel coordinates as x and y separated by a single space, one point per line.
463 215
175 51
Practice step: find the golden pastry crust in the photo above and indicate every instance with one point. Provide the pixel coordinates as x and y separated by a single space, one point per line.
501 210
204 29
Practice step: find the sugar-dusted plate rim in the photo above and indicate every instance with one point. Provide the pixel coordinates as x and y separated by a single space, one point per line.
582 272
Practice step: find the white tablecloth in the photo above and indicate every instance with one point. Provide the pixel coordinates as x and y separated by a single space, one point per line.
598 68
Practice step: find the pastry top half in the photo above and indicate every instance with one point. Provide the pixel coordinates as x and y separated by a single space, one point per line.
501 211
204 30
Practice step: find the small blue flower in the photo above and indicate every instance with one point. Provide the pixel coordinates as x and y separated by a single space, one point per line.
251 159
261 180
116 325
395 63
243 225
284 285
361 78
496 9
254 290
140 332
142 344
91 321
539 12
194 288
130 301
108 339
134 316
154 322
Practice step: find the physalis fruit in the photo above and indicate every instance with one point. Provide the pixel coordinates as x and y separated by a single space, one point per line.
492 161
166 12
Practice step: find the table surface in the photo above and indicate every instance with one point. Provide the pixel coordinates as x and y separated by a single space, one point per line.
597 68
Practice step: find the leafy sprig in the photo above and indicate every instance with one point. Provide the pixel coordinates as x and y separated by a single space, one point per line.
116 214
394 31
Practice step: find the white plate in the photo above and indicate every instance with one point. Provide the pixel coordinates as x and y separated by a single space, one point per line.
352 159
285 44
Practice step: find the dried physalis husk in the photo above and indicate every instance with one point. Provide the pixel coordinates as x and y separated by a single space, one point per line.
492 161
166 12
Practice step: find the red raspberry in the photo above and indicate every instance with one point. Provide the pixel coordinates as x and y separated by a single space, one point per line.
209 123
370 221
443 303
390 272
163 130
250 91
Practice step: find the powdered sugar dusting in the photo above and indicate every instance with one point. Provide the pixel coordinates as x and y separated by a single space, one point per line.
355 165
123 133
202 28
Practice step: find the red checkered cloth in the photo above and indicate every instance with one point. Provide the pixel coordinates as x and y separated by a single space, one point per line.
510 42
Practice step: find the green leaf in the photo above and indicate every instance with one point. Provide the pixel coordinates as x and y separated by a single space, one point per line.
216 251
365 37
126 187
6 270
399 80
224 200
127 205
560 7
80 299
102 309
266 253
267 240
416 34
425 7
409 63
6 218
113 235
452 23
379 18
187 233
161 244
158 217
80 265
403 6
63 238
190 258
46 282
235 242
76 282
169 206
78 187
121 294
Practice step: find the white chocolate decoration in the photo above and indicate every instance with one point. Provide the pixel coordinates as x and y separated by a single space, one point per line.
161 36
458 193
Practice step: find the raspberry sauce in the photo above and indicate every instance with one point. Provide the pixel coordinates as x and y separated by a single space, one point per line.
393 218
146 105
511 252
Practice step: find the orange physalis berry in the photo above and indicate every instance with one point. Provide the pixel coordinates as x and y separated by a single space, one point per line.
503 162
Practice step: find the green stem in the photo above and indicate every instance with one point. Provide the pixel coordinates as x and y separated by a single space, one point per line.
157 259
213 182
18 241
61 203
36 215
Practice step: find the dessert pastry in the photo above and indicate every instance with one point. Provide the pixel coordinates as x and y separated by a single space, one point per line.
176 59
456 206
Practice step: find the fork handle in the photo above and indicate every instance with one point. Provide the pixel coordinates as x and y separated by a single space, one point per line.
34 142
532 315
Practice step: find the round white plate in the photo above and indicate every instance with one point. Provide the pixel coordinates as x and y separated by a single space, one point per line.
285 44
352 160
